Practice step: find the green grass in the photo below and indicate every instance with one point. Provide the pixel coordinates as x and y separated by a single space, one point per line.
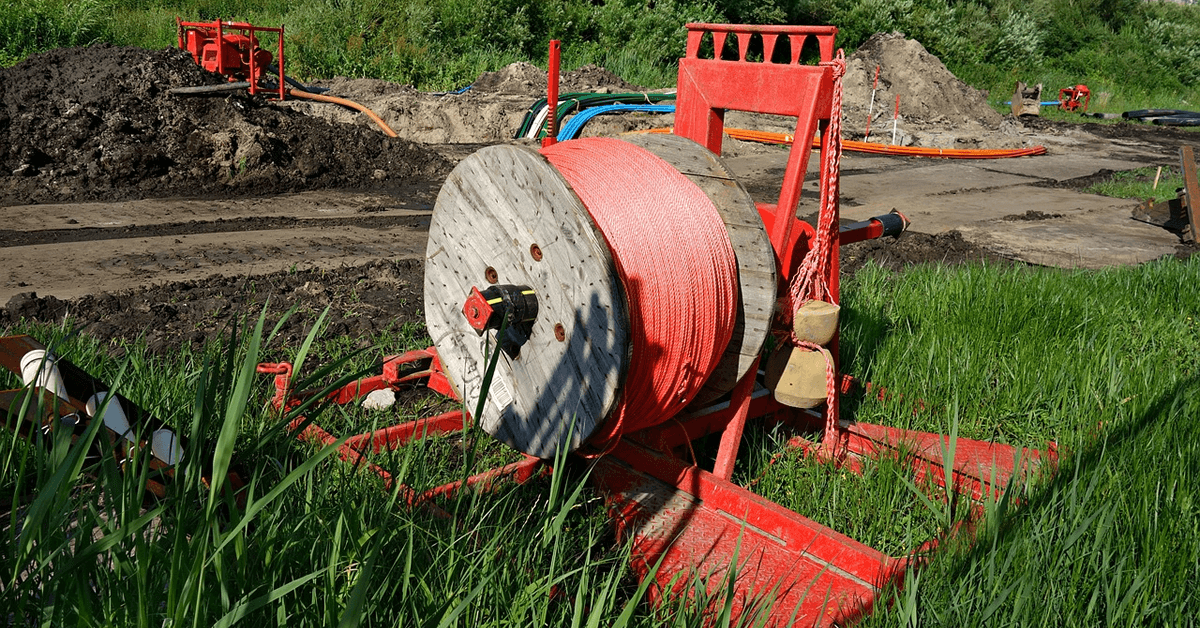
1140 184
1131 54
318 543
1105 363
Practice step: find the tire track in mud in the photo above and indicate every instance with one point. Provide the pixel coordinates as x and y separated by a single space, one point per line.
10 238
150 245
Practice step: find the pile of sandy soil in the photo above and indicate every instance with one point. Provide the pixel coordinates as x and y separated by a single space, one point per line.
98 123
490 111
936 108
526 79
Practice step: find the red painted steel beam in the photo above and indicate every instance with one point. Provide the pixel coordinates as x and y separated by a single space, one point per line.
788 567
552 94
396 436
980 469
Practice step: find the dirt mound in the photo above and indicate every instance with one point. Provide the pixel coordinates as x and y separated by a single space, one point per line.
520 78
593 78
97 123
931 97
466 118
362 301
490 111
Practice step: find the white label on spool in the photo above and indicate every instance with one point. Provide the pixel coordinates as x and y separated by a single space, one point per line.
499 394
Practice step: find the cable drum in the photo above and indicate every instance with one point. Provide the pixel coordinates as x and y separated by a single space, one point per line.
636 280
676 263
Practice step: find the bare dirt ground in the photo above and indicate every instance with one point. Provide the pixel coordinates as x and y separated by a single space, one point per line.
141 214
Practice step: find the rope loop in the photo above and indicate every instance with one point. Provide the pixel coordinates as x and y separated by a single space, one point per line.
811 280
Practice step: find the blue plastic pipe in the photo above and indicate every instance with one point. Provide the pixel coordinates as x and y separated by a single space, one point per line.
575 124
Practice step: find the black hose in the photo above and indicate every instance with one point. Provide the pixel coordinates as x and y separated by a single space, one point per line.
1156 113
1192 120
208 89
297 84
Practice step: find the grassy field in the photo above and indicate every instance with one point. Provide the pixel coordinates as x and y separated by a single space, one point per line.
1105 363
1131 54
1142 183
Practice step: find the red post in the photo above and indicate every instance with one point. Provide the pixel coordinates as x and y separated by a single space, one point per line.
251 61
552 96
281 74
220 48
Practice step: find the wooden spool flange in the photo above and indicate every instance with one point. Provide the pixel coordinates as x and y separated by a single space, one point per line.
503 204
494 208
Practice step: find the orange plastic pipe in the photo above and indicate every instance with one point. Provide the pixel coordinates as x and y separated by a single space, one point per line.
886 149
345 103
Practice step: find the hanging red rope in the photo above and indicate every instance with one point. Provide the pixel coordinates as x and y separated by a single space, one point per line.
676 264
811 281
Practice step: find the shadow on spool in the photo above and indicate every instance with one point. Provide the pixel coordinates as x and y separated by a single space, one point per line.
505 201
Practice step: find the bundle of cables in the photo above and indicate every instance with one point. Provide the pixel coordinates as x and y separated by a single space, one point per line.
533 126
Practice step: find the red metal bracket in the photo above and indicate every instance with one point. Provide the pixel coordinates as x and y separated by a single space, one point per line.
408 370
233 54
710 87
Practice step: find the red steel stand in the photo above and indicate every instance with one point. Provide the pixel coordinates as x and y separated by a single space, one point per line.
686 522
692 522
234 54
410 370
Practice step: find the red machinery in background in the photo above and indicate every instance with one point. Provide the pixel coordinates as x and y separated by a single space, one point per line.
232 49
1074 98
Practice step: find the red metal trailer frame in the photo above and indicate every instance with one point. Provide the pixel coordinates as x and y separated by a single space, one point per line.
242 42
683 519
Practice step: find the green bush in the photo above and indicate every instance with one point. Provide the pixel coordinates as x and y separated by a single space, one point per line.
29 26
1144 53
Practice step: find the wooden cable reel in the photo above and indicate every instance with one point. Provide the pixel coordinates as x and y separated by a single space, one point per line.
508 225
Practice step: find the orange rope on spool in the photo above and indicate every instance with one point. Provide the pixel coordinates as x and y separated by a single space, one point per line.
767 137
677 266
345 103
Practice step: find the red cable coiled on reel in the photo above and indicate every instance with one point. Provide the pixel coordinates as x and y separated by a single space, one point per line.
677 267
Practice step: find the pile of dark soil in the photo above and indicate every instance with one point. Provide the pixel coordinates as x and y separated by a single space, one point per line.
1030 215
913 248
362 301
97 123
